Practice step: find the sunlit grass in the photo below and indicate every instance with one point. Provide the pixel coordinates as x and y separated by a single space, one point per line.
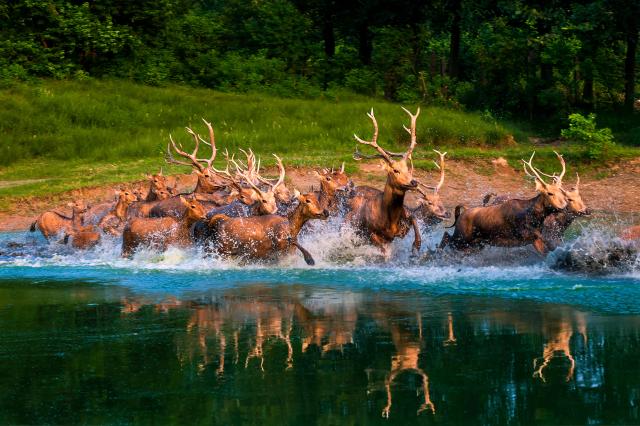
69 134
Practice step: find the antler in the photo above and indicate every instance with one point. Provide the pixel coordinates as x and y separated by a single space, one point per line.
374 140
412 132
441 167
192 156
564 169
195 161
282 172
535 175
211 143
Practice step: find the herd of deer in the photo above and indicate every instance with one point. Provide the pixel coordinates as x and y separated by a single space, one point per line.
236 212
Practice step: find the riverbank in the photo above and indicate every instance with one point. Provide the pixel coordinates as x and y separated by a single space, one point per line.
466 183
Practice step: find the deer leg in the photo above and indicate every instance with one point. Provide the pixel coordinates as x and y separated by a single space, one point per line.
446 239
417 241
307 256
381 243
540 246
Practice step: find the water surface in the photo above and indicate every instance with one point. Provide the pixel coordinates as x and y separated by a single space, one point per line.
175 338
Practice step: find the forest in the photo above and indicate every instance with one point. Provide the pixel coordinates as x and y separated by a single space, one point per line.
526 59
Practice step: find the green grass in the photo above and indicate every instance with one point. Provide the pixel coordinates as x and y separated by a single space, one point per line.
69 134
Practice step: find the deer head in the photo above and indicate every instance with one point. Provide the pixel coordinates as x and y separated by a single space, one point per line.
311 208
163 194
126 196
399 172
194 211
332 180
552 192
78 207
575 204
430 201
158 182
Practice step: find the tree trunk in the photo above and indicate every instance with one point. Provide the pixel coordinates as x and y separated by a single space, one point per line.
630 64
328 32
454 53
365 48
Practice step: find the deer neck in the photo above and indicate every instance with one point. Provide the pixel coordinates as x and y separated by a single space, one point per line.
297 220
120 210
326 191
393 202
77 219
184 225
538 209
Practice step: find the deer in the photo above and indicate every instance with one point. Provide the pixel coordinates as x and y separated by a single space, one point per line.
509 224
330 183
430 209
157 182
247 201
143 208
378 215
162 232
555 224
266 237
113 222
53 223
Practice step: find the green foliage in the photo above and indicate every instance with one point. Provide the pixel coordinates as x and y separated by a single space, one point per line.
520 59
598 142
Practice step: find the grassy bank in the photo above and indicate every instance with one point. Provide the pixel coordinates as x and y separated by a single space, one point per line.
65 134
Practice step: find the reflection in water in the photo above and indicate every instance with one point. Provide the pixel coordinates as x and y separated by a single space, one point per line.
558 331
320 355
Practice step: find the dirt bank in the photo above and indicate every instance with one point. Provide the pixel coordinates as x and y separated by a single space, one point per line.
466 183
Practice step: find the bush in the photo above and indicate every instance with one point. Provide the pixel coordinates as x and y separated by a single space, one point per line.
361 80
583 129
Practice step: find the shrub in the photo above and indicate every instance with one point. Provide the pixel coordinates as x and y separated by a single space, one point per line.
583 129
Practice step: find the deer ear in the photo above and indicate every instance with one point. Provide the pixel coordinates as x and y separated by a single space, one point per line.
540 186
118 191
315 172
183 201
70 204
297 194
383 164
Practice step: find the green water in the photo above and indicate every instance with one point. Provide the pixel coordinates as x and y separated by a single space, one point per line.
78 352
177 338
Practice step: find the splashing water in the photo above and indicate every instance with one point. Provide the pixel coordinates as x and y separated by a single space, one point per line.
343 259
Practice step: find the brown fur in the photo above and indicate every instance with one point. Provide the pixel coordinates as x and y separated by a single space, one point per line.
381 216
264 237
330 183
52 223
143 208
163 232
509 224
113 222
555 224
